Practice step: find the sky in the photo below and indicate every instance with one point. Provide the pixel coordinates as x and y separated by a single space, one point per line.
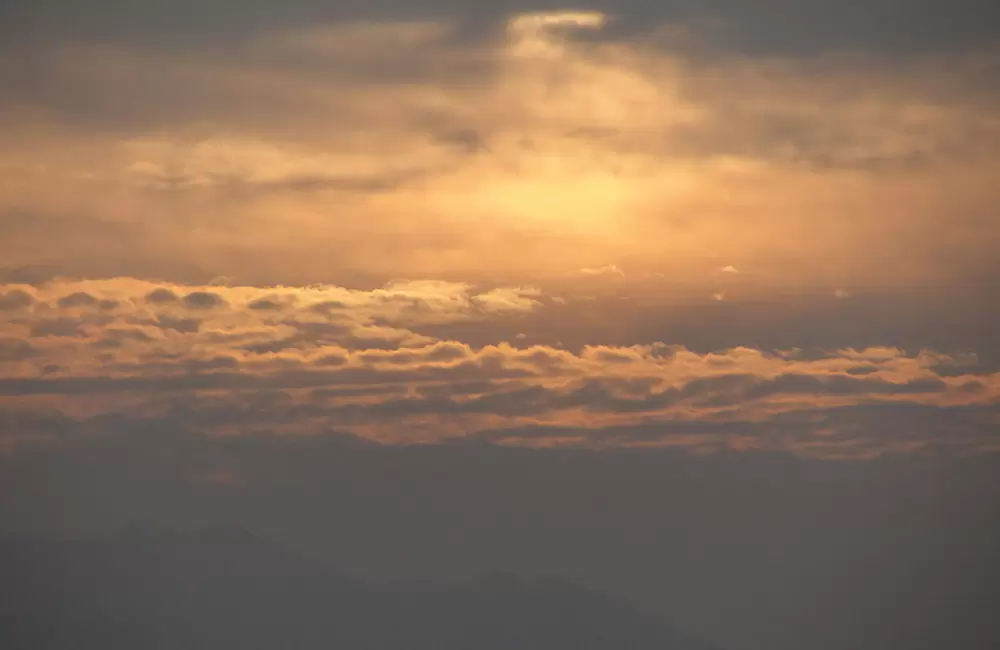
725 232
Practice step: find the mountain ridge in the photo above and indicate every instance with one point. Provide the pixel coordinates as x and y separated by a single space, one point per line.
223 587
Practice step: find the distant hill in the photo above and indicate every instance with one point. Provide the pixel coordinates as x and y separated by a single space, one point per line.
226 589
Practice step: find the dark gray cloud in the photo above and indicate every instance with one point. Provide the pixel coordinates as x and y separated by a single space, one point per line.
78 299
67 327
15 299
182 325
12 349
159 296
204 300
128 334
769 26
268 304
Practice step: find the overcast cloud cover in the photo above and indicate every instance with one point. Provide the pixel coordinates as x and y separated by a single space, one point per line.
725 230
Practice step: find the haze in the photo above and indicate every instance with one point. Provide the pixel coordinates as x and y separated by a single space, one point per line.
692 303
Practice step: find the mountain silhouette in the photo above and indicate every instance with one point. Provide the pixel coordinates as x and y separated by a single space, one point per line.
223 588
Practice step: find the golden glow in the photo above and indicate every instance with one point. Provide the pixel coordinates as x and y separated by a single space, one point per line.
601 149
587 203
480 212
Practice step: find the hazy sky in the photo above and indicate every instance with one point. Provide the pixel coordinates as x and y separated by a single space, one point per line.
724 228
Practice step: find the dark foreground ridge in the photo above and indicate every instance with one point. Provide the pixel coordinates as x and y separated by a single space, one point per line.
225 589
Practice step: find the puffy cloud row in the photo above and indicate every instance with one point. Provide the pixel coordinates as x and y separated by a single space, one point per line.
306 359
118 313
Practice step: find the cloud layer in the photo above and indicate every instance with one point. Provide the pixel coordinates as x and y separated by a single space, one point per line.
360 150
619 226
303 360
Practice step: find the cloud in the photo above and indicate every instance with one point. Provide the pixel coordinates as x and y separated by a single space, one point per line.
370 361
77 299
161 295
15 299
14 350
203 300
66 327
508 299
397 216
607 269
484 162
804 27
271 303
849 432
262 321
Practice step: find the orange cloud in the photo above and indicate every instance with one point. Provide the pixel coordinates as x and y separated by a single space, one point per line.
357 362
282 185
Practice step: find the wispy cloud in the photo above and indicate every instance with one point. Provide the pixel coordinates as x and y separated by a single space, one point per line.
607 269
554 143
